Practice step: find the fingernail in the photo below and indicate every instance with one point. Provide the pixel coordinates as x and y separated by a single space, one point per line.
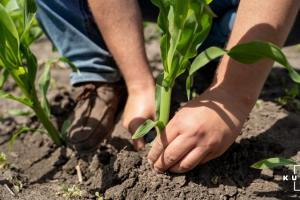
150 163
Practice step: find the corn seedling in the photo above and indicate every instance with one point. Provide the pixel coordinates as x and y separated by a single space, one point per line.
271 163
185 25
19 29
291 98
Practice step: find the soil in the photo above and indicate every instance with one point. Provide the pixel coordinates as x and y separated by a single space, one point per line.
40 170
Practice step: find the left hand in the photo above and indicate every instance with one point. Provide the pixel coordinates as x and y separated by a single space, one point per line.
200 131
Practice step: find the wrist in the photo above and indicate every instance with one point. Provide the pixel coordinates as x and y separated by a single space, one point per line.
243 100
136 87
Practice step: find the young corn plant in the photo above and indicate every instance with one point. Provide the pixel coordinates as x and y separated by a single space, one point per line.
185 25
18 30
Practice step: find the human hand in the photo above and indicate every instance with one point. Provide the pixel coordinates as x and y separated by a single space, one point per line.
140 106
200 131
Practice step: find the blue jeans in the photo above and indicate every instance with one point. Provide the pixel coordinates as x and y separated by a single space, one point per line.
70 26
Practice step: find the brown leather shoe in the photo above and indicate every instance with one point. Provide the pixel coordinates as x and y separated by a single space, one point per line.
94 116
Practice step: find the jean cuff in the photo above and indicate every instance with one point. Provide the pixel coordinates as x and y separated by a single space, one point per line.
84 77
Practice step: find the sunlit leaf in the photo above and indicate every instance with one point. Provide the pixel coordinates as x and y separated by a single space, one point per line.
273 163
144 129
205 57
252 52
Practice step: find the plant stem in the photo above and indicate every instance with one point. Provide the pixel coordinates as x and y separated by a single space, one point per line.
165 102
48 125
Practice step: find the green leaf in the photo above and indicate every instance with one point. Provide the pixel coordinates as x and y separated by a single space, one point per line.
3 77
19 112
273 163
159 83
208 1
44 84
22 100
65 127
70 63
252 52
205 57
3 160
16 134
9 40
162 20
200 61
144 129
188 85
29 11
31 63
12 5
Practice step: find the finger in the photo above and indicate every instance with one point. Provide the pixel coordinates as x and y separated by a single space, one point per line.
160 143
175 151
208 158
139 144
191 160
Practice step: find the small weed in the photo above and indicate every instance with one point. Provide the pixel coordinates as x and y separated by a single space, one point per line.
17 184
71 192
3 160
290 98
99 196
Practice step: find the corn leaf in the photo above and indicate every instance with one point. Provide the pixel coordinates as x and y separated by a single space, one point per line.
205 57
188 85
159 83
70 63
65 127
31 64
144 128
184 25
11 5
3 77
19 113
9 40
200 61
22 100
272 163
252 52
17 134
29 11
44 84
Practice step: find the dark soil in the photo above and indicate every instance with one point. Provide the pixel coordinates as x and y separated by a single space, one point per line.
118 172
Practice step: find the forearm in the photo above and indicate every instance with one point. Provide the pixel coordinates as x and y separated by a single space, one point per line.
120 23
269 20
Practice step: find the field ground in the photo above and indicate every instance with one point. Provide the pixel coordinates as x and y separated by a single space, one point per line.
41 171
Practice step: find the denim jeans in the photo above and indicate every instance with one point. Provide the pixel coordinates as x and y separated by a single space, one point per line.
70 26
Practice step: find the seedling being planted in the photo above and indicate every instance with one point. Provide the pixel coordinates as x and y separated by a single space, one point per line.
17 61
185 25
